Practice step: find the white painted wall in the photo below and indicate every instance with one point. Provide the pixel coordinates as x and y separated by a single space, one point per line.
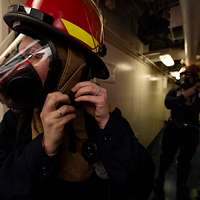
139 91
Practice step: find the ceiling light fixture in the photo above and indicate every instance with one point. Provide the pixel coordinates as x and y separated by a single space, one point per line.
167 60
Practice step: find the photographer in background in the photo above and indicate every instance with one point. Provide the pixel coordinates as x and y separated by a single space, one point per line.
181 132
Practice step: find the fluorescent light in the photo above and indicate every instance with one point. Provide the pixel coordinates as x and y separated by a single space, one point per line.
167 60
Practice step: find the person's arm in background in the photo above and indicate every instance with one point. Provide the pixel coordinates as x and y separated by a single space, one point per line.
130 168
176 99
20 166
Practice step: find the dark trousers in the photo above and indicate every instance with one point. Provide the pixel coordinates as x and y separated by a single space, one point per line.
184 139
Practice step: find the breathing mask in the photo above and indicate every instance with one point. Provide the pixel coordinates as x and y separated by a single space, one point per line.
24 67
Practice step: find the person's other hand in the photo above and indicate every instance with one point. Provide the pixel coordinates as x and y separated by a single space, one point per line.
95 100
54 119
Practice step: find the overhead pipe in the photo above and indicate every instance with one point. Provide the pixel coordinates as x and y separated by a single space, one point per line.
12 46
191 26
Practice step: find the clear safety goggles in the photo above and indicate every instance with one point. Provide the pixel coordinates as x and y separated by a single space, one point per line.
21 52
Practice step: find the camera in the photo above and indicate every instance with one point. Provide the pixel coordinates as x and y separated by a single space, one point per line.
188 79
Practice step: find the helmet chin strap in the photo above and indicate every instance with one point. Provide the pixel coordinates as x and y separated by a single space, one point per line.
73 71
76 77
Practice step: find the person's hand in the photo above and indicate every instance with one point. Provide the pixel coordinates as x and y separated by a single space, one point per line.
95 100
54 119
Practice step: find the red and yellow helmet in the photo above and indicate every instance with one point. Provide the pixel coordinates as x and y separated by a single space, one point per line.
78 21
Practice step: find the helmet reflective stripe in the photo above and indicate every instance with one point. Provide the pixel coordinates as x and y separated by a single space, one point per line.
81 34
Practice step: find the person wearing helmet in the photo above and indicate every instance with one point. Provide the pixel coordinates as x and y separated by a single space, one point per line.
58 140
181 132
